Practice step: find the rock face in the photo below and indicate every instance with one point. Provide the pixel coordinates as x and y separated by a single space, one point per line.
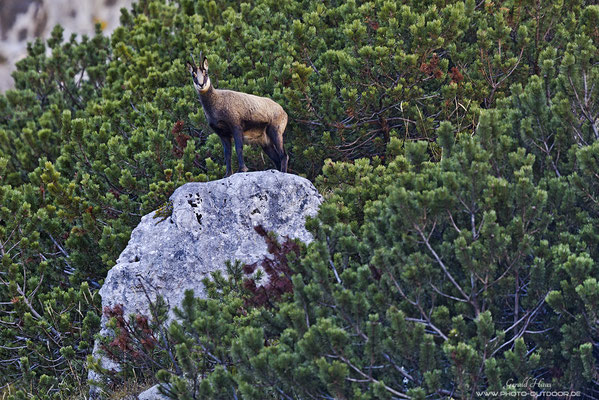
22 21
211 223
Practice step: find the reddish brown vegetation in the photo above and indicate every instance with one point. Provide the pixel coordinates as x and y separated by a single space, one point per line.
432 68
180 139
130 336
276 268
456 76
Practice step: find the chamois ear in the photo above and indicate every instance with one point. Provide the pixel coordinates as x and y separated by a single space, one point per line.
189 67
205 64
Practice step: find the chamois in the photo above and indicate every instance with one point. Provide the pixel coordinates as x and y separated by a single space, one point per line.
243 117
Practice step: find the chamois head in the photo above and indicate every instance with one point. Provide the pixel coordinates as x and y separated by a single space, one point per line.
201 81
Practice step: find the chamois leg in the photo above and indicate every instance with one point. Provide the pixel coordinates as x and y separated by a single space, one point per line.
238 138
227 146
284 161
273 154
275 134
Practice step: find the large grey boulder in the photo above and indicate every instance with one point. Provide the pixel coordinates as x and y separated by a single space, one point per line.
211 223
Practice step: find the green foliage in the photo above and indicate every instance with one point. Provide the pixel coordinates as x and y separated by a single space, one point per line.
446 231
435 279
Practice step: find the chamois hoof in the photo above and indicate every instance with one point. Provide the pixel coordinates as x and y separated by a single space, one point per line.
244 169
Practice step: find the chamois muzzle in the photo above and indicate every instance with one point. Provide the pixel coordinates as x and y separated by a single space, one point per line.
203 82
